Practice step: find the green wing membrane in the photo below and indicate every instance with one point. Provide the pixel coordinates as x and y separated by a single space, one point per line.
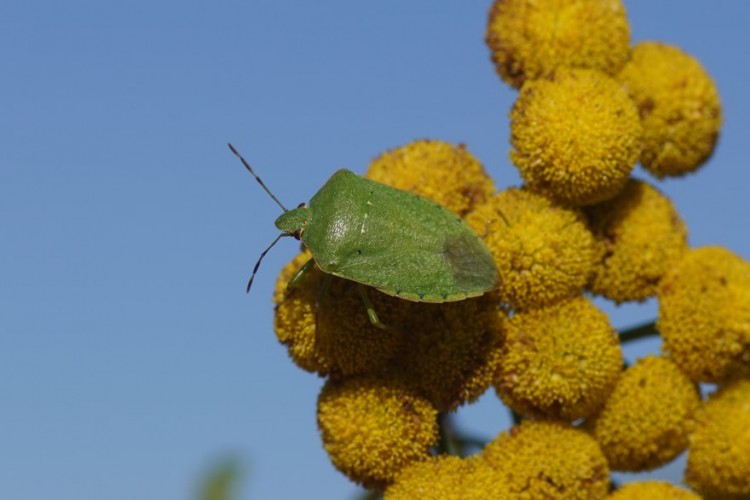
400 243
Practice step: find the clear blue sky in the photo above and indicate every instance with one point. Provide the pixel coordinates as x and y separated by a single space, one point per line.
130 357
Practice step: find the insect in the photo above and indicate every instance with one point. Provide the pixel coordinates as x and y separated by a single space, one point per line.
397 242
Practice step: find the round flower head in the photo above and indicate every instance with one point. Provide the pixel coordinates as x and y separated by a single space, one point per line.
704 314
337 337
444 173
643 424
679 107
451 350
560 361
447 477
543 252
447 351
372 429
718 464
540 459
530 39
639 234
652 490
576 136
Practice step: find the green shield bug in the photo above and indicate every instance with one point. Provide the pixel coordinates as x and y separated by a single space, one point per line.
397 242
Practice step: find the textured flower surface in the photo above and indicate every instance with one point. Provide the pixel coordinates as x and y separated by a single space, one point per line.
576 136
444 173
448 478
529 39
539 459
335 337
652 490
704 314
639 235
448 352
679 107
372 429
719 455
543 252
452 349
559 361
644 422
585 114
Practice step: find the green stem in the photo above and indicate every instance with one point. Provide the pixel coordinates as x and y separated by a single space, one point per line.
447 442
516 417
454 441
370 495
638 332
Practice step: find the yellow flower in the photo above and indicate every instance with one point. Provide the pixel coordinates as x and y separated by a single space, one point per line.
539 459
719 455
644 422
447 352
543 252
451 349
444 173
704 314
530 39
345 342
652 490
560 361
640 234
679 107
576 136
447 478
372 429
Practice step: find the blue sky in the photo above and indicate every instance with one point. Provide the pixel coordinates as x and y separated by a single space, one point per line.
130 357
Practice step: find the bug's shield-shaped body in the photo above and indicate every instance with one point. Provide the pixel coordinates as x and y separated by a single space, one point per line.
398 242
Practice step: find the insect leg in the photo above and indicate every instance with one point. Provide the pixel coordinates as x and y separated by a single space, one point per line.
299 274
505 219
322 294
368 305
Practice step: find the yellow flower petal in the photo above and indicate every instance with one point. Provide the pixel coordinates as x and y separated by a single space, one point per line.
448 478
719 454
336 338
679 107
372 429
444 173
576 136
640 235
451 351
530 39
643 424
704 314
559 361
539 459
652 490
543 252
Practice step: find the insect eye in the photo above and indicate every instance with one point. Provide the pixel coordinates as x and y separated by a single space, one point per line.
301 205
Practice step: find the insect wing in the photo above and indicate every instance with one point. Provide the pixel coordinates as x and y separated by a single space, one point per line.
398 242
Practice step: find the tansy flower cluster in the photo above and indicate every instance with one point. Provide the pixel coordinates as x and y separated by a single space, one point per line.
590 107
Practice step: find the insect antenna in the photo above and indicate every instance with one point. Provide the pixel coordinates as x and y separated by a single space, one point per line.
250 169
257 264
